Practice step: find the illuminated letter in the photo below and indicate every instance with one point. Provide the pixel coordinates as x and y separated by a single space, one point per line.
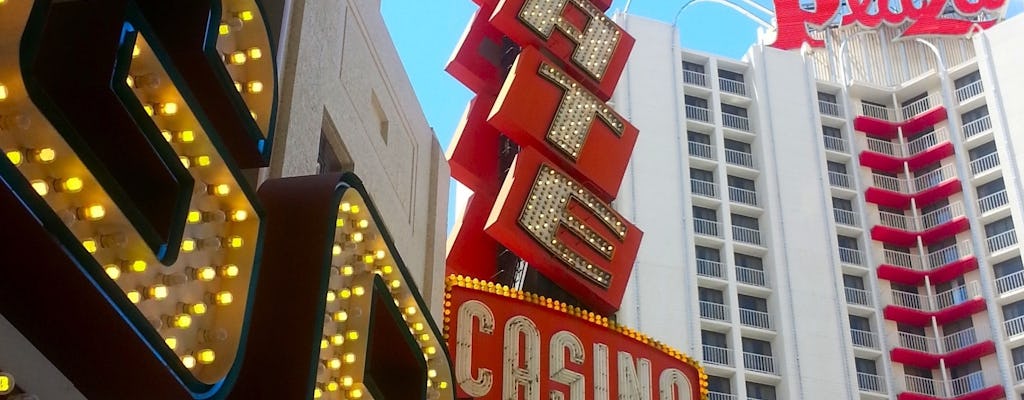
673 385
595 52
565 231
469 311
541 107
634 384
527 375
560 342
601 371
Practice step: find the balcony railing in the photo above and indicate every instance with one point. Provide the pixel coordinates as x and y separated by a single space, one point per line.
866 339
993 201
916 342
910 300
721 396
969 90
919 106
746 235
985 163
751 276
706 227
829 108
885 147
1014 326
890 183
959 340
1010 282
858 296
836 144
697 113
942 215
740 195
717 355
1018 372
756 319
709 268
759 362
838 179
938 388
925 386
736 121
713 311
905 260
977 126
957 295
949 254
851 256
702 150
926 141
933 178
966 384
876 112
731 86
695 78
703 188
897 221
845 217
1001 241
870 382
739 158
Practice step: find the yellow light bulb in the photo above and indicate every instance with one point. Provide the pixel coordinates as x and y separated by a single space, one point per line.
345 293
134 296
172 342
331 296
354 209
197 308
223 298
206 274
341 316
136 51
44 155
336 249
380 254
337 339
387 269
206 356
430 350
442 385
324 344
41 187
356 237
89 245
418 326
70 185
432 373
185 136
245 15
220 190
185 161
239 215
347 270
395 284
157 292
350 358
194 217
345 206
15 157
369 258
3 92
136 266
149 109
189 361
168 109
424 337
188 245
181 321
112 271
339 223
238 86
254 87
358 291
254 53
167 135
94 212
346 381
130 81
229 271
334 363
235 242
353 335
224 29
356 393
201 161
317 393
237 58
332 386
363 224
410 310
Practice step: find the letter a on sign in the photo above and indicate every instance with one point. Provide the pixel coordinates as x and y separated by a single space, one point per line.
565 231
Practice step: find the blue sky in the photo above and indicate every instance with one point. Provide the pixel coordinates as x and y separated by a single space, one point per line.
426 32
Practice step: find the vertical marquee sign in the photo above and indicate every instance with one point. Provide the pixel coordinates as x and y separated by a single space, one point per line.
138 258
542 71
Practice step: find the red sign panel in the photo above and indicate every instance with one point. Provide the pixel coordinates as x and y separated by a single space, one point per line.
565 232
593 48
929 20
541 107
510 345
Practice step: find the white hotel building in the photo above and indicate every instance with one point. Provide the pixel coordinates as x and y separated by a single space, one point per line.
815 231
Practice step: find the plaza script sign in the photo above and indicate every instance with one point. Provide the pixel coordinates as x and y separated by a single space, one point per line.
928 20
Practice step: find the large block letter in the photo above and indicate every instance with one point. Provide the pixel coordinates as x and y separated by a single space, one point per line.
565 231
541 107
576 32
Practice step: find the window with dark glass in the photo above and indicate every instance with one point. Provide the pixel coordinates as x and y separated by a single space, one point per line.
733 110
1008 267
733 76
847 242
718 384
744 221
741 183
1000 226
696 101
760 391
865 366
705 213
710 295
698 137
967 79
757 347
913 99
982 151
836 167
974 115
853 281
831 132
736 145
1013 310
752 303
707 253
827 97
690 66
860 323
747 261
711 338
990 188
842 204
702 175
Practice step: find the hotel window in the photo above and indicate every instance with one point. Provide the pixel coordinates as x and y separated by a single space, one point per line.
967 79
689 66
741 183
974 115
836 167
831 132
908 301
1011 311
989 189
710 295
696 102
998 227
967 377
707 253
745 222
733 110
743 260
697 137
758 391
757 347
702 175
853 282
827 97
752 303
921 140
859 323
718 384
1018 358
865 366
705 213
715 339
937 213
914 99
877 110
1007 268
732 76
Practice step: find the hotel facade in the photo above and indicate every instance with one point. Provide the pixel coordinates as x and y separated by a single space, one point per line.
837 222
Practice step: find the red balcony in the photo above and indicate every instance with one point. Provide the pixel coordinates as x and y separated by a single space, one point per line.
883 122
925 189
936 225
958 348
970 387
940 266
951 305
924 150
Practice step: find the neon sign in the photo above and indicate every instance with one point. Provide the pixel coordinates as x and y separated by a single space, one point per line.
930 19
